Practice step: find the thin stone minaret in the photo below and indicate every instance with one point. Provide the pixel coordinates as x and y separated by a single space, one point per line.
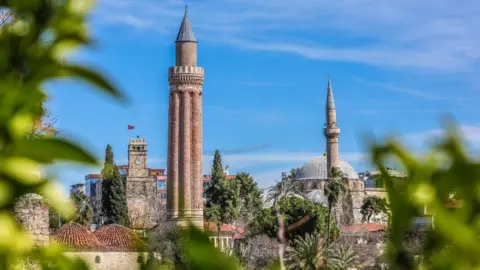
331 131
184 164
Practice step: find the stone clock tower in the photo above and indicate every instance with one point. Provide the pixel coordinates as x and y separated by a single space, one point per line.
140 187
137 158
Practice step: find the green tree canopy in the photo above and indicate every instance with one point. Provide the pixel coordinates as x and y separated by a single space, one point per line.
250 196
373 205
221 195
293 210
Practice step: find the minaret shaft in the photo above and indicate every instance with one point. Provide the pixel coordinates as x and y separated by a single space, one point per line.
331 131
185 186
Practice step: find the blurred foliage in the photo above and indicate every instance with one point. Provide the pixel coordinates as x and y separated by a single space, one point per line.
32 47
453 243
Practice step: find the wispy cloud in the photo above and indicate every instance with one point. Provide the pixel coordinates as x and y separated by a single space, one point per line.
423 94
436 36
400 111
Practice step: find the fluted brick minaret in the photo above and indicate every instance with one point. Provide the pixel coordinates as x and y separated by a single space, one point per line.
331 131
184 164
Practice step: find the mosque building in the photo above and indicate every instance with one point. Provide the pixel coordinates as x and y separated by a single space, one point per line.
314 175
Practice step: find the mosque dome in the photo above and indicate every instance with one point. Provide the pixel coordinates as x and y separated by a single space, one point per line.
316 169
118 237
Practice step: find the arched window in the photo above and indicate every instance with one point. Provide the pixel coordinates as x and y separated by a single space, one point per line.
97 259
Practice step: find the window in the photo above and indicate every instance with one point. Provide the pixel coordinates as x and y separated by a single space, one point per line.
97 259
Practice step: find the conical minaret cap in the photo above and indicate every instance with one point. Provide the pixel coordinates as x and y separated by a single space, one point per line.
185 33
330 100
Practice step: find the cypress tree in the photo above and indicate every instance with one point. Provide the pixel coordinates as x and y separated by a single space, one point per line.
214 189
114 200
222 196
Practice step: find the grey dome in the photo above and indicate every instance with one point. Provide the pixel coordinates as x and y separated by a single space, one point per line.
316 169
317 196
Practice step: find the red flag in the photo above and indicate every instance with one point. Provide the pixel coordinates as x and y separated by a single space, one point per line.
130 127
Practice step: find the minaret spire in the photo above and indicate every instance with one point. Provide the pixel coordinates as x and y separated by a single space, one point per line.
330 99
331 131
185 33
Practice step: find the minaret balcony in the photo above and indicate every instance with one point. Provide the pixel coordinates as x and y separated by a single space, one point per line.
331 132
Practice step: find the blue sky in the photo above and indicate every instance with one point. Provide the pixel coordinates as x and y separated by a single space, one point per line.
396 68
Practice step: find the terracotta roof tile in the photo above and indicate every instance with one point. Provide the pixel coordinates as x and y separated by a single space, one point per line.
365 227
225 228
118 237
78 237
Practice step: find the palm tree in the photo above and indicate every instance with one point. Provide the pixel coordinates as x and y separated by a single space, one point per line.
288 187
333 189
310 252
342 258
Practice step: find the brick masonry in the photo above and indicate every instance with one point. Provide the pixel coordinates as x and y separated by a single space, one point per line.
184 162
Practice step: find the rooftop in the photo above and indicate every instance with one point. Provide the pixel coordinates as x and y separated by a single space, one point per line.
365 227
118 237
76 236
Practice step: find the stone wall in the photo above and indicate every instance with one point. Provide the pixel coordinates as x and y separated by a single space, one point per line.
141 197
109 260
32 213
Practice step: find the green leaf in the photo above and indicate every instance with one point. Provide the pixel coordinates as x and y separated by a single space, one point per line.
48 150
92 77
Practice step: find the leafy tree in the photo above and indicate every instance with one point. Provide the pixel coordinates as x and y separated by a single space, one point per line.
373 205
333 189
250 197
294 209
83 207
221 196
309 253
114 201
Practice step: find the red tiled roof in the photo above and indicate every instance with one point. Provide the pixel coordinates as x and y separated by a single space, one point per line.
364 227
224 228
74 235
118 237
